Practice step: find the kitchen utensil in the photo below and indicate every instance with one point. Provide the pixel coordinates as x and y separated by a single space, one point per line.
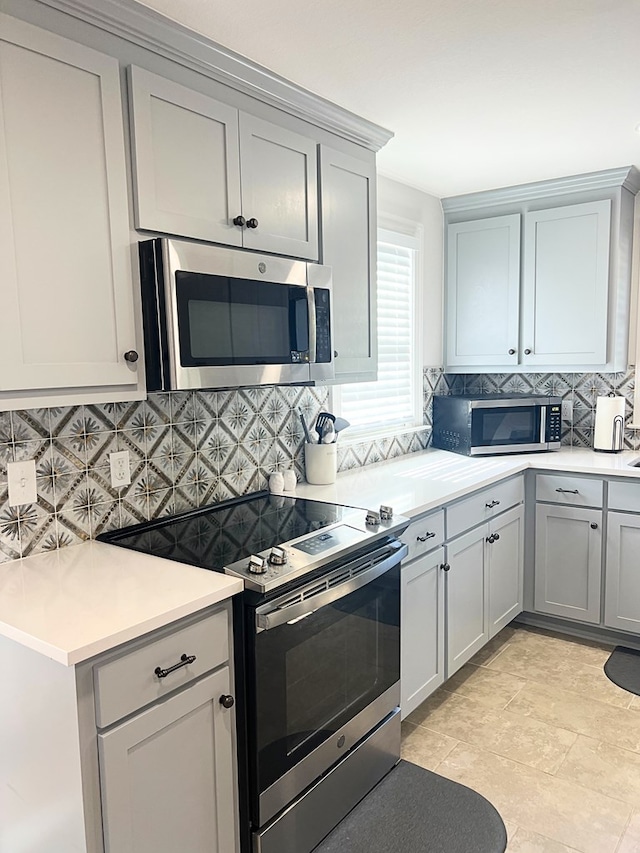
340 423
314 437
328 434
304 425
322 419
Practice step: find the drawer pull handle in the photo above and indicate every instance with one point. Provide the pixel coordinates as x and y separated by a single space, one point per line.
568 491
425 537
492 504
227 701
184 661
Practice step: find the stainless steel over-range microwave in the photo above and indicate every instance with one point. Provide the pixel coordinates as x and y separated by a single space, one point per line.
496 423
222 318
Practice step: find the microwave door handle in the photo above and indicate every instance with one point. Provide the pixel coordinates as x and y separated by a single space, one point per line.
311 306
543 424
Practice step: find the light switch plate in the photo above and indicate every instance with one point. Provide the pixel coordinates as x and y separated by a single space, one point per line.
120 468
22 482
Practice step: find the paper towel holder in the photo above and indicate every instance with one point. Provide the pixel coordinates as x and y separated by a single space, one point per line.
609 425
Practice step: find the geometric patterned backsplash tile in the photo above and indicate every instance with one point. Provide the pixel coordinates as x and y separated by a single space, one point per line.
188 449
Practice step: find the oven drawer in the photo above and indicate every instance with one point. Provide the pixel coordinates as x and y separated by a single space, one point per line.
424 534
484 505
129 682
570 491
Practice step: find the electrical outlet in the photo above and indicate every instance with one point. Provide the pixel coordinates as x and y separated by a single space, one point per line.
21 478
567 410
119 467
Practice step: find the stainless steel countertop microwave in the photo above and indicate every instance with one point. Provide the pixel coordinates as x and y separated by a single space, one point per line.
223 318
487 424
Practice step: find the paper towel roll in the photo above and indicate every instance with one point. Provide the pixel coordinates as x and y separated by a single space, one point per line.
609 431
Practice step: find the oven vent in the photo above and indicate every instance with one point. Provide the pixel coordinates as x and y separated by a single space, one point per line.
336 579
310 591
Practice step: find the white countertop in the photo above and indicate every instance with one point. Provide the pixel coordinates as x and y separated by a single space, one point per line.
422 481
74 603
79 601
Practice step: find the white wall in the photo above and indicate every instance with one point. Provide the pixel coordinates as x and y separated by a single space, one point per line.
400 202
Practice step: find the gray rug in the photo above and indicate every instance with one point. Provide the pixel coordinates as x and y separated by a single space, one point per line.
413 810
623 668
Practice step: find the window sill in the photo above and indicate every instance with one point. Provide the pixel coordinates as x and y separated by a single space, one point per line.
363 435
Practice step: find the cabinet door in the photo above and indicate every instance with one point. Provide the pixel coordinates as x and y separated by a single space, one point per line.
568 562
67 299
186 159
482 292
466 595
348 201
622 590
566 275
422 629
279 189
505 564
168 775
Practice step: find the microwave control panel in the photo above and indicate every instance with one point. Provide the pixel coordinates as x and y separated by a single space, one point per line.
323 325
554 423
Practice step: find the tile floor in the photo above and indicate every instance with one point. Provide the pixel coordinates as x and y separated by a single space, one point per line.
533 724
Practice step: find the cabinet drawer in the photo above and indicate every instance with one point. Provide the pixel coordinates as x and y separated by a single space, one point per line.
130 682
569 491
483 505
624 496
424 534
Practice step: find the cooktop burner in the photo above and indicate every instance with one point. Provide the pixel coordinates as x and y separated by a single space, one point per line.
283 536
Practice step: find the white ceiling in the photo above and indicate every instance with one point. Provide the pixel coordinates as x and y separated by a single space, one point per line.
479 93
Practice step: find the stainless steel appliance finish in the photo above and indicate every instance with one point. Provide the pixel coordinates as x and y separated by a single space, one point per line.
491 424
300 777
312 817
165 265
312 551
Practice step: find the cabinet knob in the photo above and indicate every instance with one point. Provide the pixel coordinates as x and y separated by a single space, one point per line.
335 353
496 536
131 356
240 221
445 567
227 701
593 525
491 539
527 352
252 223
512 351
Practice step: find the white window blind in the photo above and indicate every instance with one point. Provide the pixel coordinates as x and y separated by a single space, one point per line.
392 401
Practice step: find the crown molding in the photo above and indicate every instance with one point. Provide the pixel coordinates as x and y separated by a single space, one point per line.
147 28
627 177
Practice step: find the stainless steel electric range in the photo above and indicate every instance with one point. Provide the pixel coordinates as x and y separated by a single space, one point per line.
317 652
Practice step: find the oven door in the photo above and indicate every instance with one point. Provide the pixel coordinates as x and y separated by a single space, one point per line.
326 669
507 428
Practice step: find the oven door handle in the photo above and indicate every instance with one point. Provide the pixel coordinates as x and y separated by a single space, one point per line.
275 617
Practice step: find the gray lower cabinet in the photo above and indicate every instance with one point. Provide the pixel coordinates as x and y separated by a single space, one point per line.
505 561
484 584
167 775
422 620
467 624
622 586
568 562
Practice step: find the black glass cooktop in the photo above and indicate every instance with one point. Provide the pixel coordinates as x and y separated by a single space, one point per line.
214 536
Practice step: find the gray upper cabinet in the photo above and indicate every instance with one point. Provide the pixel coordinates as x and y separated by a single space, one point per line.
67 315
205 170
348 216
538 276
483 291
187 168
566 285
